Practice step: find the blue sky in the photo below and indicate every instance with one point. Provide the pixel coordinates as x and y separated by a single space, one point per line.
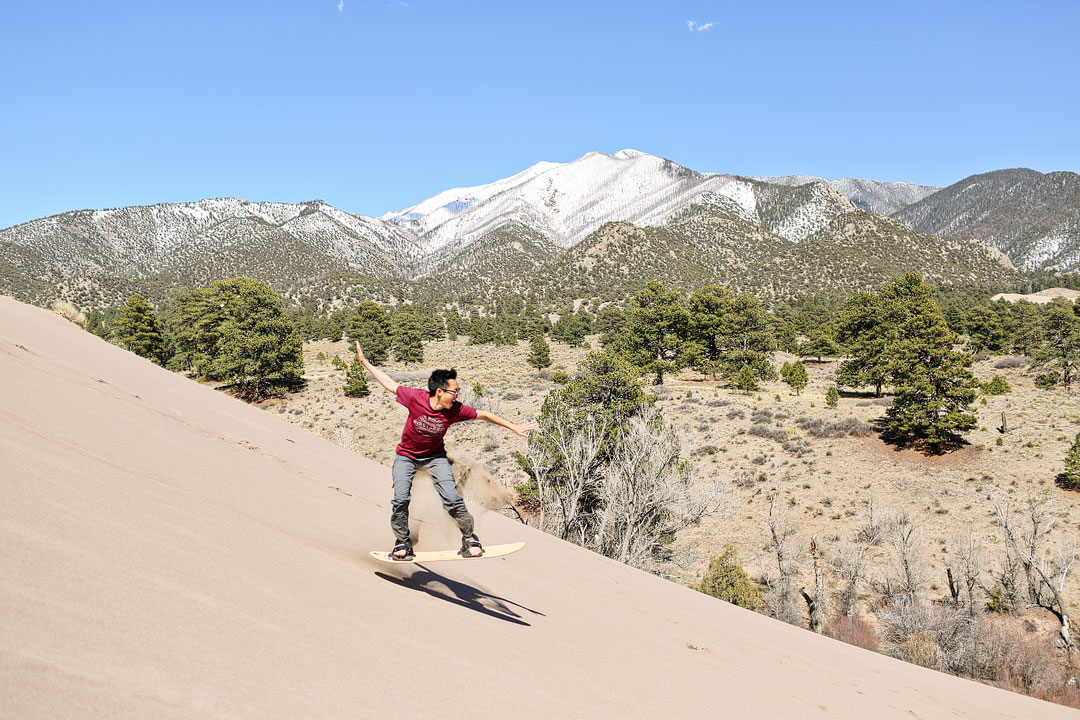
375 106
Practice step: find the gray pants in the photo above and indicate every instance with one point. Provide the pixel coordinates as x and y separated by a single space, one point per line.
443 477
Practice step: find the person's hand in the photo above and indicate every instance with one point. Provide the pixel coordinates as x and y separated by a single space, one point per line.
526 428
359 352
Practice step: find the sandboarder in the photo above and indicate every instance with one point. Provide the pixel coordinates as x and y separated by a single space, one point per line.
430 414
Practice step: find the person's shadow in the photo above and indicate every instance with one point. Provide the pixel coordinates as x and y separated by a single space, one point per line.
443 588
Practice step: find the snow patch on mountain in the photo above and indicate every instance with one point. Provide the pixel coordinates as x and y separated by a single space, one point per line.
568 201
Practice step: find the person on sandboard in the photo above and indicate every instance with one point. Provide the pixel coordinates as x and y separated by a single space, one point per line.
430 414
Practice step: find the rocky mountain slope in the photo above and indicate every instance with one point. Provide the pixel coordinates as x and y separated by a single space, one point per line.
1032 217
527 231
884 198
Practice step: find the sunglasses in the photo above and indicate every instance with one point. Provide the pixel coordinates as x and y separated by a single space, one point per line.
451 392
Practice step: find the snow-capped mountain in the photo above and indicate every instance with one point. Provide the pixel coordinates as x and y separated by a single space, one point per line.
567 201
141 241
883 198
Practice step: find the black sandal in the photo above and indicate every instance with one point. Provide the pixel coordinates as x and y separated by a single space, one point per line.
468 542
405 545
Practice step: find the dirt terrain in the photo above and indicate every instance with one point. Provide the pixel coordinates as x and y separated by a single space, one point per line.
760 443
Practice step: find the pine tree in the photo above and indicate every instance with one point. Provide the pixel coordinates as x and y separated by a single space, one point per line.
356 384
1061 341
136 328
832 396
540 353
745 380
984 330
797 377
236 331
1072 465
1026 327
864 325
370 326
656 324
820 344
934 386
707 309
407 337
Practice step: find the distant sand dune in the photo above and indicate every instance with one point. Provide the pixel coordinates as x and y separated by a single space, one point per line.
1041 297
167 551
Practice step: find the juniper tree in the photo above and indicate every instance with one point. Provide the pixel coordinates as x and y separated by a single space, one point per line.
726 579
832 396
707 308
136 328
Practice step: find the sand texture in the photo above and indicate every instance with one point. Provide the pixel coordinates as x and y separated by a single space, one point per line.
168 551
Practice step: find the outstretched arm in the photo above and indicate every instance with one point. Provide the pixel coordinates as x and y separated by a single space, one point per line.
383 379
523 429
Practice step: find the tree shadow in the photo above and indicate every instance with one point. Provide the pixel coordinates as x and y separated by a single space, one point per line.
919 445
1061 480
452 591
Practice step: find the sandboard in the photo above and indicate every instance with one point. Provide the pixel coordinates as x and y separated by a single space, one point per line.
490 551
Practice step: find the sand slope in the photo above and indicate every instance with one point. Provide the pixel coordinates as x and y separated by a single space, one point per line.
167 551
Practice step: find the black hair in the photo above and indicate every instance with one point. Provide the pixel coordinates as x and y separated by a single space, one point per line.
440 379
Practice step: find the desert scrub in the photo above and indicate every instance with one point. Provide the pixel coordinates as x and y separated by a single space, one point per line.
1012 362
726 579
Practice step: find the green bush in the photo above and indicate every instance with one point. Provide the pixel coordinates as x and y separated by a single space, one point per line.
996 386
832 396
726 579
1046 381
560 377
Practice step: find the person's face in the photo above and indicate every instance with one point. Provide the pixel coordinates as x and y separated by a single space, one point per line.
445 398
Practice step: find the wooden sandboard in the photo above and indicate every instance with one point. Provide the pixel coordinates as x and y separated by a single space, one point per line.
491 551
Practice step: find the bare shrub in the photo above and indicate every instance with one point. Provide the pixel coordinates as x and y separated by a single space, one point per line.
1004 653
853 631
836 429
511 396
781 598
907 573
968 558
649 494
563 468
1012 362
736 412
69 312
761 415
718 402
848 561
1027 537
795 445
934 636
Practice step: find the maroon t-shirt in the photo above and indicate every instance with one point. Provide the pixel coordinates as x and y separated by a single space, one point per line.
424 430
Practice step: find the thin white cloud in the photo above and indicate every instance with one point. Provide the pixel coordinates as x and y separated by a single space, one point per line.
341 6
698 27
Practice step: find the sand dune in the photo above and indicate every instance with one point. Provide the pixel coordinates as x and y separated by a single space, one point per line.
167 551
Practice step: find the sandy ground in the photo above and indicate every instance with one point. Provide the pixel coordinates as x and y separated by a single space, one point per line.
168 551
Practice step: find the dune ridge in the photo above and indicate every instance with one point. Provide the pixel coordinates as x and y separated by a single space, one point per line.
168 551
